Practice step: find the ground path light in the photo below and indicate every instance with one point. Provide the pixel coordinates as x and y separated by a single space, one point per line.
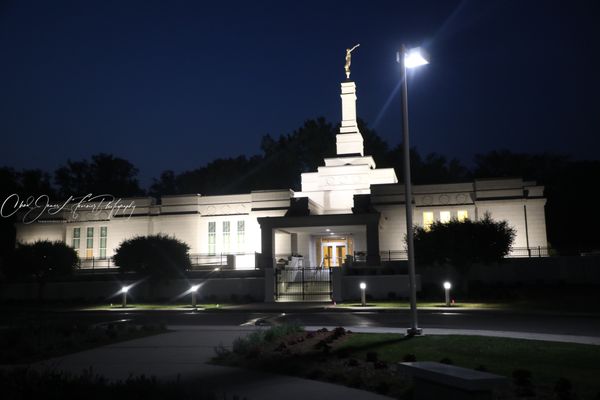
363 287
124 291
447 287
194 290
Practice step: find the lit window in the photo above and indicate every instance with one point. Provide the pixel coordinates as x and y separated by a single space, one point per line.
226 236
103 235
427 220
241 235
89 246
444 217
462 215
76 242
212 236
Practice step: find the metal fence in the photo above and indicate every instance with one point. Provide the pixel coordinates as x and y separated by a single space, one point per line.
392 255
528 252
93 264
302 284
199 261
515 252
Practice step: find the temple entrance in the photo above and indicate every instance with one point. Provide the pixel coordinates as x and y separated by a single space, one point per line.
334 251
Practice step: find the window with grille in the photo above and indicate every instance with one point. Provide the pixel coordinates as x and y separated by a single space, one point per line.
103 236
212 237
89 247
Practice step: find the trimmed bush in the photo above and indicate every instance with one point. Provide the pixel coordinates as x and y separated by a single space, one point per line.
155 256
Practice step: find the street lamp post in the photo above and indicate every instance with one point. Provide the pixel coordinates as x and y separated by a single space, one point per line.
409 59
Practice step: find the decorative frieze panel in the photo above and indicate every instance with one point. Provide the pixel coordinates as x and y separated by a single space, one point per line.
225 209
443 199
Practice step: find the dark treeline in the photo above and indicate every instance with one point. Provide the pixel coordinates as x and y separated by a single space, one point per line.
570 184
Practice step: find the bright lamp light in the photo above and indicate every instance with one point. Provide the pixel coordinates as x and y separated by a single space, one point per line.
447 285
125 289
414 58
363 286
194 288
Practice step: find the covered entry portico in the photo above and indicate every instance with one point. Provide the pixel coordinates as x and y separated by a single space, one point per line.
318 241
317 246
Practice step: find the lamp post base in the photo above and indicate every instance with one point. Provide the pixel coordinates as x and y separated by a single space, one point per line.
410 332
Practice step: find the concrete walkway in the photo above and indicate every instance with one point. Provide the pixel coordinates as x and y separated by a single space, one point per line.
185 352
546 337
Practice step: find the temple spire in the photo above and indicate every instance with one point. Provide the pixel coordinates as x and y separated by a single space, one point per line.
349 141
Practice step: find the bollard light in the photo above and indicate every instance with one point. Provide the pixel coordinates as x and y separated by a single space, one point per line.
124 291
363 287
194 290
447 287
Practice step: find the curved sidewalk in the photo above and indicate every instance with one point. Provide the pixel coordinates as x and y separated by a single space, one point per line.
185 354
547 337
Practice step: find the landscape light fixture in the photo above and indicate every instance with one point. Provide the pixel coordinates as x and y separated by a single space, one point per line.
363 298
447 287
194 290
409 59
124 291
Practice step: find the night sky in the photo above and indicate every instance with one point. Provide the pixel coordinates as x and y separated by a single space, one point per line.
176 84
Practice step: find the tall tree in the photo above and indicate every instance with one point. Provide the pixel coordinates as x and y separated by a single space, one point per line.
25 183
104 174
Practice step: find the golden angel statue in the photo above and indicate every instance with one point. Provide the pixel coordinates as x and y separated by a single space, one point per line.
349 60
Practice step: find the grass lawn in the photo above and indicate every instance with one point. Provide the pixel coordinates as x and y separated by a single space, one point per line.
424 304
547 361
369 361
151 306
523 305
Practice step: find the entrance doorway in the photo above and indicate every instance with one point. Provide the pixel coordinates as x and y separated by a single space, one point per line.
334 251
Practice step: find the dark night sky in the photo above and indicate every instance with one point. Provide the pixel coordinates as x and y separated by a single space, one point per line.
175 84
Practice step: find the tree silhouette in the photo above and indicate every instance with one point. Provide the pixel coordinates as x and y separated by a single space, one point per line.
104 174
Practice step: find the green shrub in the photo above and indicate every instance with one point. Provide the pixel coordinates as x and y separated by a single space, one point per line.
42 260
256 339
155 256
463 243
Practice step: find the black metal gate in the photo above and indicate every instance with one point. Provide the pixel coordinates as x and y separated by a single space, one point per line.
303 284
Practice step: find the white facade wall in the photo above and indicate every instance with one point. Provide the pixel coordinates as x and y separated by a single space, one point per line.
536 223
183 227
504 199
510 211
188 217
392 227
52 231
305 242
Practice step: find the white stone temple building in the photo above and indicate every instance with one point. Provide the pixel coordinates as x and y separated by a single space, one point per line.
348 207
